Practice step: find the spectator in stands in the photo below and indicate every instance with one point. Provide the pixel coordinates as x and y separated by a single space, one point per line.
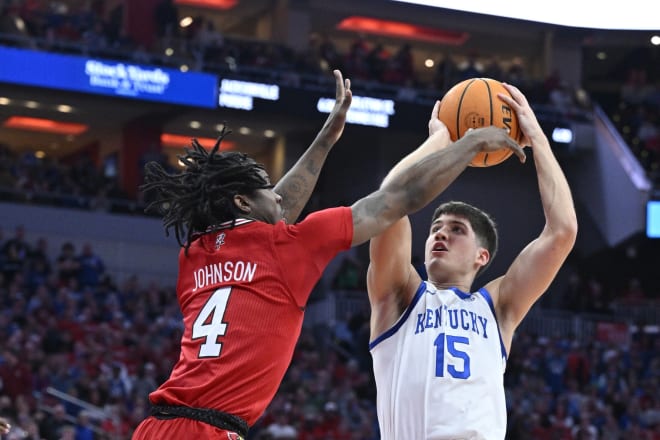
329 54
94 39
15 254
116 422
399 68
356 59
54 424
471 67
636 89
493 68
596 300
445 74
67 264
208 41
350 275
585 430
13 30
38 268
561 97
516 73
648 129
377 60
91 267
281 428
166 18
633 293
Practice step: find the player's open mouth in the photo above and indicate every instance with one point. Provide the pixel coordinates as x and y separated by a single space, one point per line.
439 248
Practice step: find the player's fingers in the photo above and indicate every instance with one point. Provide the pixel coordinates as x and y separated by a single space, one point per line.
339 83
508 100
436 110
348 96
515 93
518 151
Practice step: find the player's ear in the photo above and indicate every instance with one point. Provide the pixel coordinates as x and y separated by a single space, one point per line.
483 256
242 203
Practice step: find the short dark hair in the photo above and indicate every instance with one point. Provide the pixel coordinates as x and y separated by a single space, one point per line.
482 223
201 195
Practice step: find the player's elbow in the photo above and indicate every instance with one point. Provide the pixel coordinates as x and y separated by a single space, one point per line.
565 234
570 229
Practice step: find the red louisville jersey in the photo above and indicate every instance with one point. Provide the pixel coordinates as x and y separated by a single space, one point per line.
242 292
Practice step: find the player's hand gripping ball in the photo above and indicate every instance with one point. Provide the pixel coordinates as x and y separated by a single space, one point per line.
473 103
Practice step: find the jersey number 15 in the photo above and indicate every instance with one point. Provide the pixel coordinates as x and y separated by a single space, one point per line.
450 341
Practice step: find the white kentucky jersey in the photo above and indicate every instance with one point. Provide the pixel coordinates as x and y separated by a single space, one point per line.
440 369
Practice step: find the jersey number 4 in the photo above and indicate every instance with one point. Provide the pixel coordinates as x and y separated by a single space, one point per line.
209 324
450 342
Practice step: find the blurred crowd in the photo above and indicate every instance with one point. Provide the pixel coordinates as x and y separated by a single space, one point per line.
76 182
79 355
381 70
638 118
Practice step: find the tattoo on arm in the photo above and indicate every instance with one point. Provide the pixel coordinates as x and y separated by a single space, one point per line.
371 207
291 192
312 168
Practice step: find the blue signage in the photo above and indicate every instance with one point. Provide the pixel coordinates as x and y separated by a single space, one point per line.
105 77
653 219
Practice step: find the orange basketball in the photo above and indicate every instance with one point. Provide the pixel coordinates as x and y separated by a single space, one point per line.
473 103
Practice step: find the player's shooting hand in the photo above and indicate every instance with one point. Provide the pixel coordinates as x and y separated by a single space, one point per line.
492 138
526 117
436 125
334 125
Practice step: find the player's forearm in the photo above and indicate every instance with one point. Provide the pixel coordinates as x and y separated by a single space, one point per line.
556 197
297 185
436 144
425 173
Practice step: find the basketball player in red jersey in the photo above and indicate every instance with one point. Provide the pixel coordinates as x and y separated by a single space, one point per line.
246 269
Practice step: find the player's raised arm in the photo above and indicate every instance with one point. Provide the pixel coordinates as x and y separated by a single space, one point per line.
537 265
391 273
297 184
423 180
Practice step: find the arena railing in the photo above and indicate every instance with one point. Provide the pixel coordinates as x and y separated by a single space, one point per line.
644 316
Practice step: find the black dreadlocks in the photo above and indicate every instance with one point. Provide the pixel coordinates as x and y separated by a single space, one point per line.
202 194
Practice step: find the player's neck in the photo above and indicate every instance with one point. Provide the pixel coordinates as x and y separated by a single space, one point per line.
442 285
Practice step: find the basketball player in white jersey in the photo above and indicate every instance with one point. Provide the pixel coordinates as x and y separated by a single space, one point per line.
439 347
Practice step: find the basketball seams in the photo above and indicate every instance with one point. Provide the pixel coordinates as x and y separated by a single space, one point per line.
458 111
490 99
464 106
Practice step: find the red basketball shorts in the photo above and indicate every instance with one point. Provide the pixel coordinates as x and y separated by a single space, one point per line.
180 428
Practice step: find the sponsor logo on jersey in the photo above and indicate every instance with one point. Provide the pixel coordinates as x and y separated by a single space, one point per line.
219 240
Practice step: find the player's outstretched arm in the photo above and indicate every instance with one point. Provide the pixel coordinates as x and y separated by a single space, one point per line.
391 278
297 184
422 181
537 265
